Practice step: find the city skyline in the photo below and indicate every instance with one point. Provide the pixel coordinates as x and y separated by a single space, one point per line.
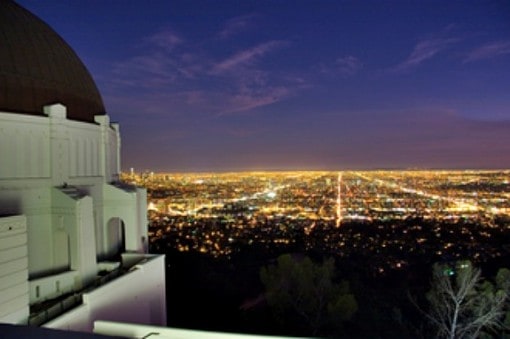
448 213
216 86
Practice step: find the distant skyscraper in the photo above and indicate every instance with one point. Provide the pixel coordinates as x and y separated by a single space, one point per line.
67 225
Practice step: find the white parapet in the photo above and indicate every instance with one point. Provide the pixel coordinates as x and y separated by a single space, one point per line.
142 331
138 296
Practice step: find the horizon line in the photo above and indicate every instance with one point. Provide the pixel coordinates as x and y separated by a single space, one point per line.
381 169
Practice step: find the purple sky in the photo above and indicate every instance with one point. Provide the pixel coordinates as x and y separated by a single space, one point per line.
239 85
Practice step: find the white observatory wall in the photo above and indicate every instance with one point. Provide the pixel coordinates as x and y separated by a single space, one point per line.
130 207
85 249
58 174
114 151
109 148
143 221
84 143
53 286
24 147
35 203
137 297
39 154
14 297
25 180
73 222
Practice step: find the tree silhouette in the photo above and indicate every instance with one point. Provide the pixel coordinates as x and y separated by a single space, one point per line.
462 305
503 283
302 292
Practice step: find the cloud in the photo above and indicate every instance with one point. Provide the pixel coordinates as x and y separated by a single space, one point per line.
236 25
250 86
345 66
489 51
161 62
170 72
348 65
147 71
246 56
166 39
247 100
424 50
200 103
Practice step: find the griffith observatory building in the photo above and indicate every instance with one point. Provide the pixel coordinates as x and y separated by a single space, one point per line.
73 238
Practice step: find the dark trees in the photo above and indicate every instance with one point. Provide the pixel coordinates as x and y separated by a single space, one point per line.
300 291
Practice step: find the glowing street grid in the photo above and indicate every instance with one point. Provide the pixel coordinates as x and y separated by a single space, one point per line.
392 216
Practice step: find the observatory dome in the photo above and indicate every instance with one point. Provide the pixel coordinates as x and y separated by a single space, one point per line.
38 68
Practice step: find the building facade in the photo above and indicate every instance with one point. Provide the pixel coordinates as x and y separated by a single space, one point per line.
69 229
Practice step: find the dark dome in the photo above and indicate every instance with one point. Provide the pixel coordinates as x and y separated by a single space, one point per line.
38 68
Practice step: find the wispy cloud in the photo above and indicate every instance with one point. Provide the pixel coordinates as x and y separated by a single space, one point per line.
146 71
251 85
343 66
348 65
246 56
489 51
236 25
248 99
169 71
166 39
423 51
161 62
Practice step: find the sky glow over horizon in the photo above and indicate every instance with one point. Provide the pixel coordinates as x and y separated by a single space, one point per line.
263 85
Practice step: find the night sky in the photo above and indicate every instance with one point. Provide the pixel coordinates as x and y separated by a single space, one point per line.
242 85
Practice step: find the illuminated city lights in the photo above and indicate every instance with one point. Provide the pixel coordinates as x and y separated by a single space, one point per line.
392 217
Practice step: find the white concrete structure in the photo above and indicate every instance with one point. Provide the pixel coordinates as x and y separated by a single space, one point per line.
142 331
60 178
14 296
137 297
67 225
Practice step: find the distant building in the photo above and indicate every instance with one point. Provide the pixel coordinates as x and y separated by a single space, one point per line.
72 237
